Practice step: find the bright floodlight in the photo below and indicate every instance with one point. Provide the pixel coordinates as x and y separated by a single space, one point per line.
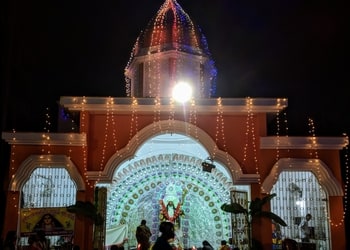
182 92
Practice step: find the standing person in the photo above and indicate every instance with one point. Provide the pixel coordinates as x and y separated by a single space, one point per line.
207 246
163 242
10 240
143 233
33 243
224 245
305 229
42 242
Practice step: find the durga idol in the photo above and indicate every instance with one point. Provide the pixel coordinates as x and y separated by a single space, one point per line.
171 213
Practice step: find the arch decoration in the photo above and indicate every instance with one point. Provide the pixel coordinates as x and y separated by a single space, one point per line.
180 127
35 161
326 178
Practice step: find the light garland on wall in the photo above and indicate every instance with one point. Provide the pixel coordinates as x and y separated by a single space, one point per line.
13 152
46 134
193 120
171 116
156 114
217 126
84 147
346 186
250 129
220 129
110 122
12 169
193 117
313 151
278 128
134 127
314 154
347 179
276 175
72 128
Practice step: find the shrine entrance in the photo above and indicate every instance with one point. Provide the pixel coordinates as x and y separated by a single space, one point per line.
166 172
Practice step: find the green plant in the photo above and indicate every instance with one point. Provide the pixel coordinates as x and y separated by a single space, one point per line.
254 211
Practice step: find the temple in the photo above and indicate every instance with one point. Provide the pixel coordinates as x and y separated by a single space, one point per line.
129 155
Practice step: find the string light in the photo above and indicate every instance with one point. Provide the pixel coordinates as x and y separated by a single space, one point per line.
84 147
217 126
193 117
314 154
220 129
46 144
313 151
347 173
346 186
250 130
171 114
134 122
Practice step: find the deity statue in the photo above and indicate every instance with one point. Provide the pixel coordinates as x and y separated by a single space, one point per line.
171 213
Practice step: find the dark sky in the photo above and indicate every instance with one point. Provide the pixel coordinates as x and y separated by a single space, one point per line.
281 48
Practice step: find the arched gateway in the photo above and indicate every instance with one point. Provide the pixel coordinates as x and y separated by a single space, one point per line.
162 169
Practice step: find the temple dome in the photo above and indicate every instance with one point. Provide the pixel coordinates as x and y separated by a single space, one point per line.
171 29
170 38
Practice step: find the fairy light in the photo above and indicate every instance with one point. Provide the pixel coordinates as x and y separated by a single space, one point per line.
250 130
285 120
253 140
193 120
47 126
84 147
133 122
45 136
277 145
217 126
193 117
156 119
278 141
171 113
13 151
346 185
314 154
347 172
220 129
13 168
114 131
70 149
246 132
104 145
313 151
156 113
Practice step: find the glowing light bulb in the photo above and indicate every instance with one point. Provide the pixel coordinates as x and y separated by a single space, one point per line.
182 92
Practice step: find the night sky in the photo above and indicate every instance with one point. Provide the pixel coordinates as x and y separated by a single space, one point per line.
294 49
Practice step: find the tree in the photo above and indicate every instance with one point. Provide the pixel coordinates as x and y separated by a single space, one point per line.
254 211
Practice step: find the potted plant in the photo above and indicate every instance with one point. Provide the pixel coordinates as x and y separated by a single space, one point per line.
253 211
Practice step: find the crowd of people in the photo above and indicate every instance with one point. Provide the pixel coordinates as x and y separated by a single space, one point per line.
36 241
166 238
